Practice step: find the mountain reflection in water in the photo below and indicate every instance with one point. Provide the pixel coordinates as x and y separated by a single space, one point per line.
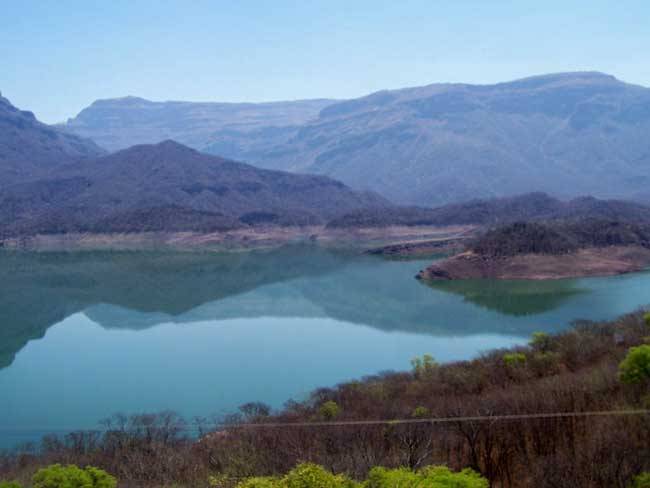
136 290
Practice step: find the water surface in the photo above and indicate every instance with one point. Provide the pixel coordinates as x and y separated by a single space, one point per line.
85 335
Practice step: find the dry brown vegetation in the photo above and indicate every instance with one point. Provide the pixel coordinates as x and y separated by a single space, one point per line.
575 371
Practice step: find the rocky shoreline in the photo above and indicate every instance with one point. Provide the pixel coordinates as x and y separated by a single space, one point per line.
593 261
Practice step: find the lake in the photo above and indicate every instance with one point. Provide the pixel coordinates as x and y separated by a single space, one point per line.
84 335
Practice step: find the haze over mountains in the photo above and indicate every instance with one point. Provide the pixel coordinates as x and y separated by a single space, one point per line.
570 134
54 182
120 123
566 134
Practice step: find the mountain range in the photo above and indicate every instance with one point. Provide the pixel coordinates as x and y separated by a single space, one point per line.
566 134
170 187
55 182
123 122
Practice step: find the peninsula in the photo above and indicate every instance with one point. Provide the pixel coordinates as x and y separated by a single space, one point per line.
538 251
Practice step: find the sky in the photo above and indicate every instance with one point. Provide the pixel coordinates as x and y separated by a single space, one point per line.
57 57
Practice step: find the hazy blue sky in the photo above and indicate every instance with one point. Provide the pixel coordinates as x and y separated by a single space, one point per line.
59 56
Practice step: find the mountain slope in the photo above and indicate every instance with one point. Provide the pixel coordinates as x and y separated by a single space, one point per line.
171 187
568 134
28 147
496 211
123 122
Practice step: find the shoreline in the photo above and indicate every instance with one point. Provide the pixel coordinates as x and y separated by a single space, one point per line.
586 262
237 240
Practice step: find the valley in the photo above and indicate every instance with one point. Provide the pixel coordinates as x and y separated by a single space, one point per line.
230 294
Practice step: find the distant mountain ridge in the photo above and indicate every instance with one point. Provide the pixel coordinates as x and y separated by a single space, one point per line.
497 211
567 134
169 187
29 148
119 123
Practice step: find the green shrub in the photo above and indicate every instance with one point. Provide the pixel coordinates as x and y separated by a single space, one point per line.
259 482
646 318
641 481
429 477
308 475
635 368
10 484
420 412
329 410
313 476
541 342
443 477
71 476
302 476
392 478
514 359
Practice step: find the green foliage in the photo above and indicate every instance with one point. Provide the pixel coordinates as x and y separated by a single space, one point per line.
329 410
420 412
423 366
429 477
541 342
514 359
443 477
71 476
635 368
641 481
308 475
314 476
304 475
10 484
392 478
258 482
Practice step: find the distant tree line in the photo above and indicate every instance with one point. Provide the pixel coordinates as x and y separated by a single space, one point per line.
559 237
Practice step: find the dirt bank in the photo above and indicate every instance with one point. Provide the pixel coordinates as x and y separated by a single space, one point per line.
240 239
603 261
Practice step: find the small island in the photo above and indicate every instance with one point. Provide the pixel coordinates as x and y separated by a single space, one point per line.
549 250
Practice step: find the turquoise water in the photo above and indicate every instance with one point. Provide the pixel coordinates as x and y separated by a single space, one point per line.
86 335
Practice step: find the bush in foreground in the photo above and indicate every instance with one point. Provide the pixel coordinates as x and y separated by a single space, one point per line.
641 481
10 484
635 368
308 475
71 476
429 477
